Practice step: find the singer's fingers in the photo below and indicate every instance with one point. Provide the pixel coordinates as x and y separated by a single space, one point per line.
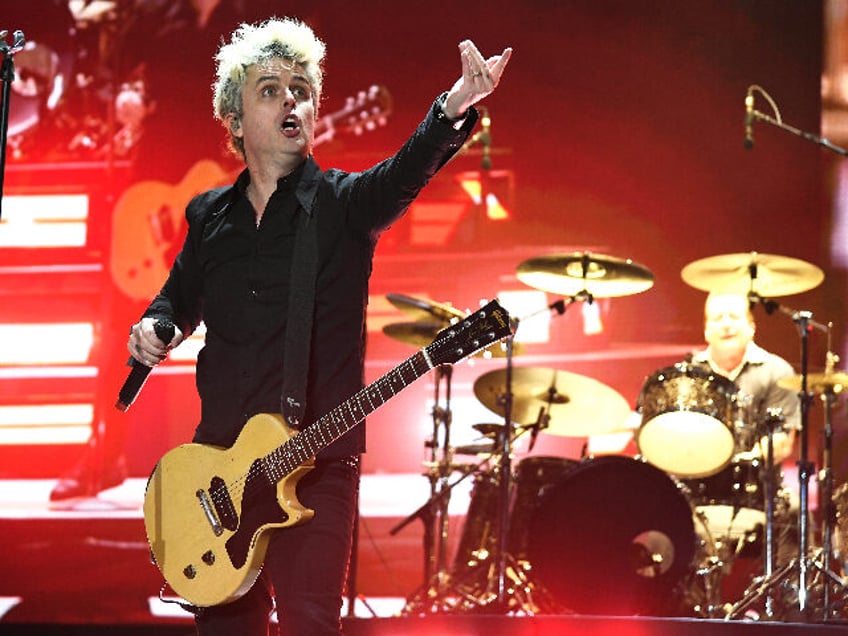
497 64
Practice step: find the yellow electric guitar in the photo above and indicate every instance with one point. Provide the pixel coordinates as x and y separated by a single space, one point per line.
148 220
203 512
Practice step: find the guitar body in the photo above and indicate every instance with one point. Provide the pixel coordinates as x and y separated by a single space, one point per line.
207 511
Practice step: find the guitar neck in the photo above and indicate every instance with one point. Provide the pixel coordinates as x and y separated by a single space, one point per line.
312 439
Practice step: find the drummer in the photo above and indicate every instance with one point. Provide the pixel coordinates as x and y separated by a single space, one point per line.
729 330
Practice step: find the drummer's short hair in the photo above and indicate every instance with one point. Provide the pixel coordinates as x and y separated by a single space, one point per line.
749 313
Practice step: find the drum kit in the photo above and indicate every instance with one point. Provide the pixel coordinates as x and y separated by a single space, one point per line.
659 531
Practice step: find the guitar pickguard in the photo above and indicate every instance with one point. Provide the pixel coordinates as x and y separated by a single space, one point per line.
259 509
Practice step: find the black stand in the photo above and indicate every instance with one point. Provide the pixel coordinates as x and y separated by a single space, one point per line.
7 76
805 565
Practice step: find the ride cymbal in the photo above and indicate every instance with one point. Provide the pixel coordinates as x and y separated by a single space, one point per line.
425 310
569 274
765 274
578 406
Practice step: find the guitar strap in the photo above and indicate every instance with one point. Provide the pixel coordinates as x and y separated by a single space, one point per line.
298 337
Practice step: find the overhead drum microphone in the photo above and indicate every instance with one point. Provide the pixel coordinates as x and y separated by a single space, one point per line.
749 119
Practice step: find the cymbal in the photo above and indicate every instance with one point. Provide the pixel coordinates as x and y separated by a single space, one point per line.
488 430
569 274
425 310
834 382
578 406
421 334
766 274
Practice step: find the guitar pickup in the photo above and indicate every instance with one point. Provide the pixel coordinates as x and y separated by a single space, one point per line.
208 510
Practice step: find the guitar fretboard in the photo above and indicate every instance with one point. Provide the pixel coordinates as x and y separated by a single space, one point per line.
284 459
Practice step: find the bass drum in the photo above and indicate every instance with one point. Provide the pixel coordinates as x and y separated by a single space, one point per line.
614 537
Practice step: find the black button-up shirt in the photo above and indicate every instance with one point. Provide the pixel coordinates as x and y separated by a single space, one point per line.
234 276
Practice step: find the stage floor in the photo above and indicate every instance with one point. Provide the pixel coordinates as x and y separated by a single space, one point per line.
85 566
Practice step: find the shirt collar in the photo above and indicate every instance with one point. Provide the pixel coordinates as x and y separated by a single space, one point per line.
754 354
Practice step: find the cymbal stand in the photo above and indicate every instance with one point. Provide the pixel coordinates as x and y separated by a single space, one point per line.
441 455
514 591
759 587
804 563
826 476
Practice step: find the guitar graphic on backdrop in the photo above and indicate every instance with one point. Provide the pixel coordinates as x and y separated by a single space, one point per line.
207 509
148 224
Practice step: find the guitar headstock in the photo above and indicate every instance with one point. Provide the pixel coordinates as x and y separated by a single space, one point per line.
363 112
473 333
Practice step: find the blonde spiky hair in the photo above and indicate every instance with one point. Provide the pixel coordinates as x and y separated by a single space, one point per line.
285 38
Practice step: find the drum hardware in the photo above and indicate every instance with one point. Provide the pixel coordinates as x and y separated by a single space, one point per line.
497 581
434 513
808 569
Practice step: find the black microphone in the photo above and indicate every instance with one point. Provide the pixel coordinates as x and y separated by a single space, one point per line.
749 120
486 140
536 427
135 380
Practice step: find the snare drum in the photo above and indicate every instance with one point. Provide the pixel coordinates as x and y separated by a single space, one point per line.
688 418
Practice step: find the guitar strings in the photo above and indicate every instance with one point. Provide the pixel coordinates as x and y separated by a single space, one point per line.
297 449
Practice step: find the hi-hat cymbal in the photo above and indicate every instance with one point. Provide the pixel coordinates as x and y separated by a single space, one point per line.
421 334
834 382
578 406
569 274
418 334
425 310
766 274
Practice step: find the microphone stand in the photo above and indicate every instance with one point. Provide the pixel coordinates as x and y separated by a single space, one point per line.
7 76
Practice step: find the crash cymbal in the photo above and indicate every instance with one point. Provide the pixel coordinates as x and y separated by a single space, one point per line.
425 310
570 274
578 405
833 382
765 274
421 334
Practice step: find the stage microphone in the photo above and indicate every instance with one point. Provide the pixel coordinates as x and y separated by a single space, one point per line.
539 424
138 374
486 139
749 119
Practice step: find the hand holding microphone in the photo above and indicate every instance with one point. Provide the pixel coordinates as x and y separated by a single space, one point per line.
165 332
